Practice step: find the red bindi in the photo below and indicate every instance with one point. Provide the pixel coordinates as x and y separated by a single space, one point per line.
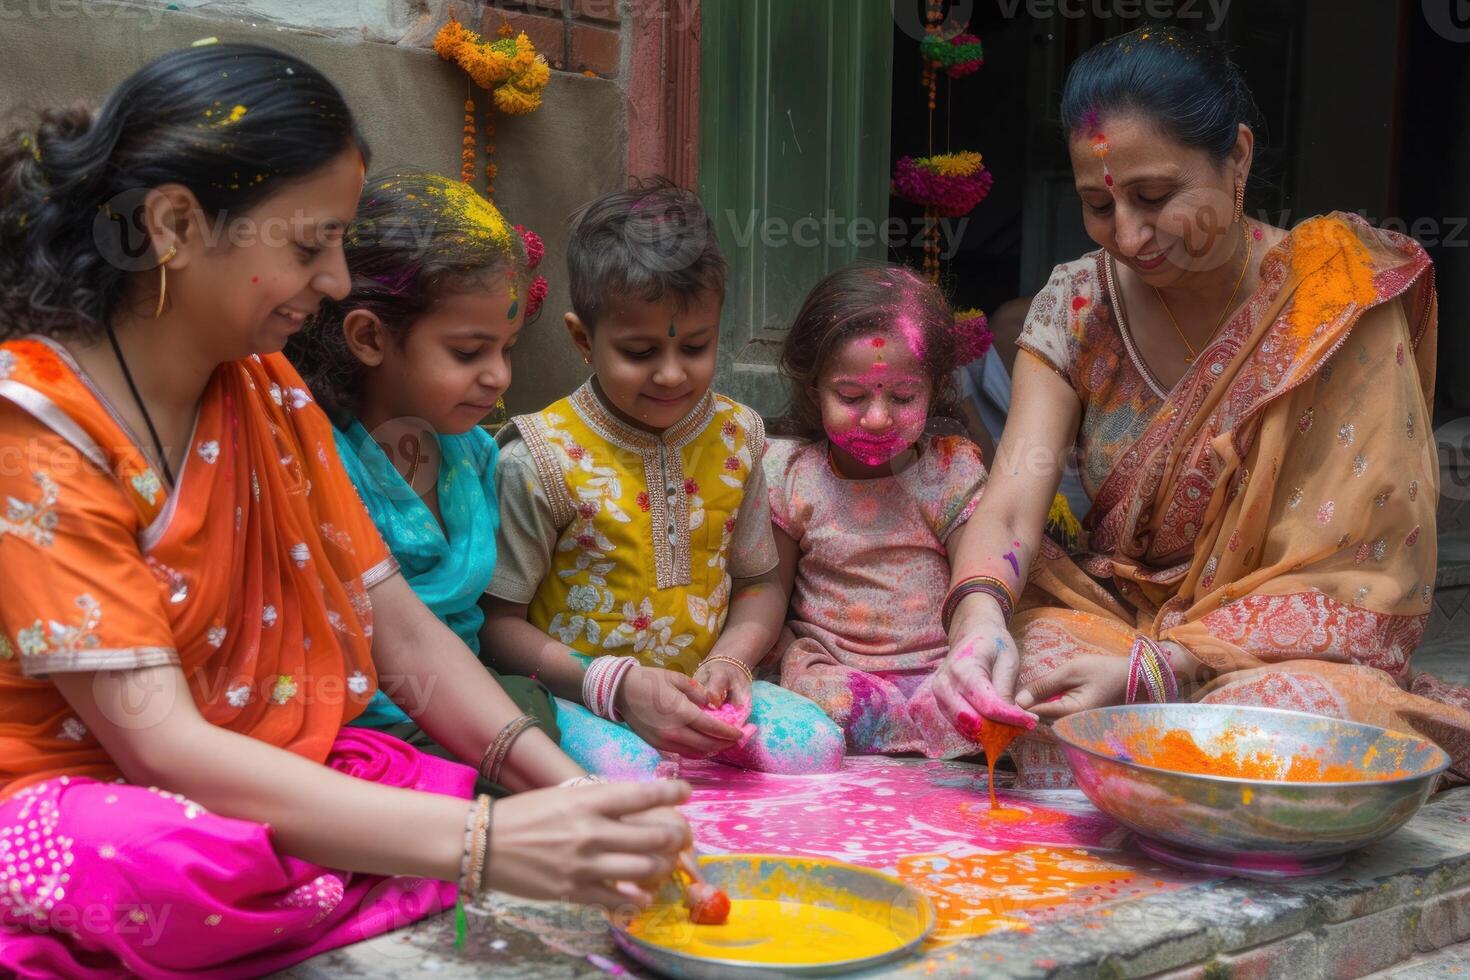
254 280
879 342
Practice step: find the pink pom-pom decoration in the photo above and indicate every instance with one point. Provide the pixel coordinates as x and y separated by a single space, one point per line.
536 295
959 55
972 335
535 247
951 183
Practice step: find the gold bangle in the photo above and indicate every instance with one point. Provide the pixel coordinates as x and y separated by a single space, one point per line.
749 675
499 749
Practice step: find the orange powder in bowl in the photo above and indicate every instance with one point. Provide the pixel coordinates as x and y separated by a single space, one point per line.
1176 750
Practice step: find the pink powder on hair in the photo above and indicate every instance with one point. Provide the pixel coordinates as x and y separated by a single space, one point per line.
913 334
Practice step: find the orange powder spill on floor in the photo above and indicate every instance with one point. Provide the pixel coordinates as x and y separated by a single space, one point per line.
980 893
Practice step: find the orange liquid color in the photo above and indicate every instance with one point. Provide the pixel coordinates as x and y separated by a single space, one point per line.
994 738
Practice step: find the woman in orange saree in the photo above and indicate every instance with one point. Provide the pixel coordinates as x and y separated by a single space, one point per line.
189 617
1264 511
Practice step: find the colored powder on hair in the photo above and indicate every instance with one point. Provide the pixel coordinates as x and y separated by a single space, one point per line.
468 214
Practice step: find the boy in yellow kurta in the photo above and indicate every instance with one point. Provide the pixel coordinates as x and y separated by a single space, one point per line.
635 572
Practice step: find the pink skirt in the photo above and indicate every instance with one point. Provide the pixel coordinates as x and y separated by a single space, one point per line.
110 879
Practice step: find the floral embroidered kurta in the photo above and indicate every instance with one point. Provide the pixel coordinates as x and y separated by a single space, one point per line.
252 576
624 541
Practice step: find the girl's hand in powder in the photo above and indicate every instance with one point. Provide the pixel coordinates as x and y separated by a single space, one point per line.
666 710
1087 681
724 682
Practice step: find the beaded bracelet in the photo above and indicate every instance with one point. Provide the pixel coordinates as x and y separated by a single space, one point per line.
499 749
1149 665
749 674
986 584
476 846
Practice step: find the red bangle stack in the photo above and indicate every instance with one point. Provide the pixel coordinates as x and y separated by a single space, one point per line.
989 585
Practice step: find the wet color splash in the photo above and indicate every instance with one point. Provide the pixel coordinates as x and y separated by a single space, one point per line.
994 738
929 823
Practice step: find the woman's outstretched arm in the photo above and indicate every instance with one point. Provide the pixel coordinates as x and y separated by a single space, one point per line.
1002 536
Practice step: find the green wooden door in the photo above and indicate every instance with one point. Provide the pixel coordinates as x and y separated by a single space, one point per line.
793 161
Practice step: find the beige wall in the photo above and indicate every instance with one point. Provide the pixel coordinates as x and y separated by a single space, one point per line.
409 103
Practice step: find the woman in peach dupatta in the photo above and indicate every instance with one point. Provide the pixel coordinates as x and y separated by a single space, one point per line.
189 617
1264 511
1276 518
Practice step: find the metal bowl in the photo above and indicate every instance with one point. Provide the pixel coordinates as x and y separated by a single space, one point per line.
1259 828
813 881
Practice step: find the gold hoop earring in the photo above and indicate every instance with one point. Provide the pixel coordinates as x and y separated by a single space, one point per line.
1239 200
163 278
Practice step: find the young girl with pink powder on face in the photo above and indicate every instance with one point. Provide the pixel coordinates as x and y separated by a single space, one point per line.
867 500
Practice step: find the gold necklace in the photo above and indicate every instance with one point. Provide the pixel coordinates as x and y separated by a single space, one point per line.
1229 304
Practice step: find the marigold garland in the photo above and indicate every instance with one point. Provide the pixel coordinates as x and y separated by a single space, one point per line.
514 74
467 155
949 184
509 68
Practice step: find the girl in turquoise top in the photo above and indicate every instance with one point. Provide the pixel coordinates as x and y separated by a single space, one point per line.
406 367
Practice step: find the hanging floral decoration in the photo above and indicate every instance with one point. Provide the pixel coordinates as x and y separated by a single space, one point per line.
972 335
957 55
946 185
515 75
951 183
508 68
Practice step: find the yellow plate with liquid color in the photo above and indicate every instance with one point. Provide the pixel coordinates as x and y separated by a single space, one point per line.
789 916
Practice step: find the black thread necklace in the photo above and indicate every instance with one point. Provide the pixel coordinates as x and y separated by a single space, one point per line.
122 362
